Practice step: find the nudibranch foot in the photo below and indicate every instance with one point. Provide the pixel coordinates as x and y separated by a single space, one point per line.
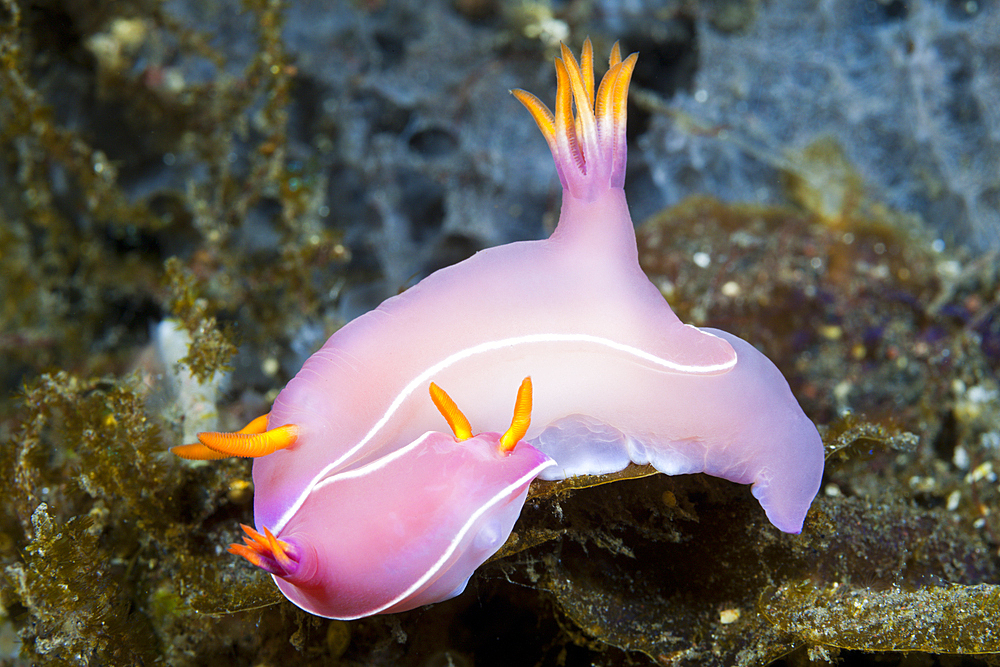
267 552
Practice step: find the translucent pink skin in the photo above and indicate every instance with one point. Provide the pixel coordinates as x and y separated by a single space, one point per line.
744 426
409 529
372 497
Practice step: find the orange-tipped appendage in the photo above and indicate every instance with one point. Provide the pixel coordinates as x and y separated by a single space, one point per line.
566 136
608 90
258 425
588 145
251 445
584 128
199 452
265 551
522 418
587 68
255 546
463 430
540 113
280 550
619 96
456 420
616 55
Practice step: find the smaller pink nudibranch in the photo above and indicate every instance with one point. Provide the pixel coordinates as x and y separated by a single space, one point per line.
365 507
409 528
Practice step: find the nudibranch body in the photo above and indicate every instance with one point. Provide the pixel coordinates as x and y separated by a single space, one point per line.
617 377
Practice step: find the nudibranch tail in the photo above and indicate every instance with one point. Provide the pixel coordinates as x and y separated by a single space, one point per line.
456 420
252 445
521 420
589 150
267 552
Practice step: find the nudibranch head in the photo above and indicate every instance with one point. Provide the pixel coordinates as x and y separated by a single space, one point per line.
406 529
589 149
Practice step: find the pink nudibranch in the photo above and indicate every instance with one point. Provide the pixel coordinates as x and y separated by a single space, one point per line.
372 509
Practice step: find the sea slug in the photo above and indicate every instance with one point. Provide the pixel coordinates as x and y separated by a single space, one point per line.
352 442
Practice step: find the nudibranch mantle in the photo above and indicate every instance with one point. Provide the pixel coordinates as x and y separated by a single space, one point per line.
355 447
